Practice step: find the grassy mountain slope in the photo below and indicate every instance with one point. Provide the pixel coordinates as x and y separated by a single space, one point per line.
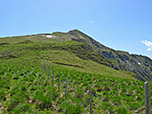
25 87
60 53
119 60
141 66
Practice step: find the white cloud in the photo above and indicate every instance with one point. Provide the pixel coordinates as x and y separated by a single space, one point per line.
91 21
149 49
148 44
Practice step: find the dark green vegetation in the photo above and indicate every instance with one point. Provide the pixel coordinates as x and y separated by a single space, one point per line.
26 88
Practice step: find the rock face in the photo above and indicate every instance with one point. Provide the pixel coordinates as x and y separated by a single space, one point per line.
140 65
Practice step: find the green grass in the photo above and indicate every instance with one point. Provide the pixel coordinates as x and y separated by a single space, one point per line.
26 88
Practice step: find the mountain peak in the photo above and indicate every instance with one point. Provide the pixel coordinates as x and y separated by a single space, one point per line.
77 34
75 30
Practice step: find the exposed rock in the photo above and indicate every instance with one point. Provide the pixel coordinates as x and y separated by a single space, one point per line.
119 60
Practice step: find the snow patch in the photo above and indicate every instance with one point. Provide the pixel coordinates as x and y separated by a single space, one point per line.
49 36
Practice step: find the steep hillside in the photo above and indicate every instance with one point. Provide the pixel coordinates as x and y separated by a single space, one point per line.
26 88
28 63
68 54
84 47
119 60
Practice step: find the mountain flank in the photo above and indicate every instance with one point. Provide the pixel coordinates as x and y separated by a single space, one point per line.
76 49
118 60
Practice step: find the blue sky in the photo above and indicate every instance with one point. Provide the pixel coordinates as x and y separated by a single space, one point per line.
119 24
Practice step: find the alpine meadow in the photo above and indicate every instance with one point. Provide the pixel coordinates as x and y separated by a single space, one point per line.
50 73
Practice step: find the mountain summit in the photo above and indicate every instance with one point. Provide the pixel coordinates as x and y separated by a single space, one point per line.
118 60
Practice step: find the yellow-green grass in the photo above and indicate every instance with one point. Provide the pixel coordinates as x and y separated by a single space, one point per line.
68 58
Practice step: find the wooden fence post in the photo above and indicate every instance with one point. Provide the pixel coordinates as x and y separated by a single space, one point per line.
43 67
59 82
52 77
46 68
66 86
40 62
40 54
49 72
90 99
147 98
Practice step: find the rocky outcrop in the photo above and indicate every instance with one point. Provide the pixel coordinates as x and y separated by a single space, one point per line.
119 60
